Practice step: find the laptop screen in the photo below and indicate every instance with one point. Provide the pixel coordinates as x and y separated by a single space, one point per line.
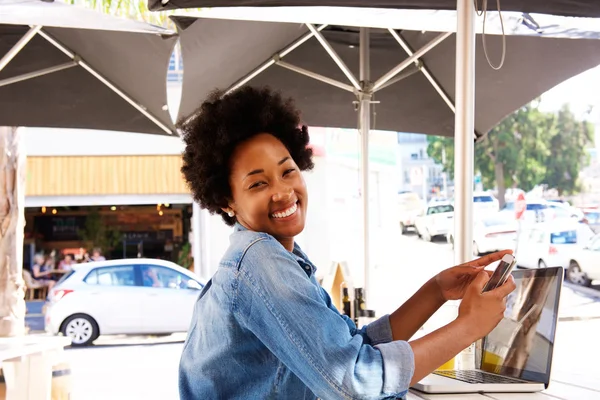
521 345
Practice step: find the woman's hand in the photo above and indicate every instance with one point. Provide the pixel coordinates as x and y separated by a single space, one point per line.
481 312
453 282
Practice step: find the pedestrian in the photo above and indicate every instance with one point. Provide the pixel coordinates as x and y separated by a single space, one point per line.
263 328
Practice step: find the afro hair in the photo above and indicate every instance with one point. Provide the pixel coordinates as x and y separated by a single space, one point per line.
220 124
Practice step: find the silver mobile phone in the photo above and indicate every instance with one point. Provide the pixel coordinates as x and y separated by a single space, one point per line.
501 273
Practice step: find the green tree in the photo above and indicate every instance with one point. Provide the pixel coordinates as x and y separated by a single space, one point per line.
513 153
567 151
131 9
99 233
436 147
525 149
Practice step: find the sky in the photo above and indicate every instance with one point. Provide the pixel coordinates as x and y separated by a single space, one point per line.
580 92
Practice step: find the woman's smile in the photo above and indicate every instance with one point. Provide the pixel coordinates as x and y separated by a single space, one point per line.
286 213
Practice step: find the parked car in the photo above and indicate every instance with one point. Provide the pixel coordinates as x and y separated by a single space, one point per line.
129 296
485 202
536 211
592 218
409 207
491 234
584 266
564 210
437 220
551 244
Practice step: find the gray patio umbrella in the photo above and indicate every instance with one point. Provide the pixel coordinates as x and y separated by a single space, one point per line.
226 54
69 67
339 74
574 8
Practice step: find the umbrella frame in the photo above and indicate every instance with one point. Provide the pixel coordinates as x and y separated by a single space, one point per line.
76 61
364 88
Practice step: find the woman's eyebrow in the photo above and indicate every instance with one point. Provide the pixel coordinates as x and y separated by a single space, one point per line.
260 171
254 172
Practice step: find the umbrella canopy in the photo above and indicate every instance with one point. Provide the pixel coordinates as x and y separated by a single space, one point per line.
69 67
574 8
225 53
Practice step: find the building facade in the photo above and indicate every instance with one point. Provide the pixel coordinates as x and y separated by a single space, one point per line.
418 172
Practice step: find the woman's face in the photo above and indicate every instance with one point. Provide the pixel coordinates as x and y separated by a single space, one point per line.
268 190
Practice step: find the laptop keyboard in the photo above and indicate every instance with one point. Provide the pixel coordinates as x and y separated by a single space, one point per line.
474 376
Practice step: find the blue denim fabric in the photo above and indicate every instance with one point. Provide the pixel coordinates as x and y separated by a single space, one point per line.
263 328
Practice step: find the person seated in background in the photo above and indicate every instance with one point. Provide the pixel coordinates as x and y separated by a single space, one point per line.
67 263
42 270
97 255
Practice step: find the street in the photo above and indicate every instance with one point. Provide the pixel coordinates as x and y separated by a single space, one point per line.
122 367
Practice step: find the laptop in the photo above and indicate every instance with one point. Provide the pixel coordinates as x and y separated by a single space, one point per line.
517 355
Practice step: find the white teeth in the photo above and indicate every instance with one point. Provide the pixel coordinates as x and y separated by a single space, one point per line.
285 213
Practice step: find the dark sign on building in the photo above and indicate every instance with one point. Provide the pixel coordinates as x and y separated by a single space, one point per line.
59 228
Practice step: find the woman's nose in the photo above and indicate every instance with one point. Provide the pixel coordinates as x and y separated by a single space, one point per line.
283 194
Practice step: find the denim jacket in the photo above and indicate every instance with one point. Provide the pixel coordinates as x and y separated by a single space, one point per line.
263 328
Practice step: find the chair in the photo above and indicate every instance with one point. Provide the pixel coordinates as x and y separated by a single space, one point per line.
34 287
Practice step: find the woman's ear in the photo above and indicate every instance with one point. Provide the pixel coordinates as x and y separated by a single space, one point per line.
229 211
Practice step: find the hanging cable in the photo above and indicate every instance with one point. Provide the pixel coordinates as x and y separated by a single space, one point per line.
483 12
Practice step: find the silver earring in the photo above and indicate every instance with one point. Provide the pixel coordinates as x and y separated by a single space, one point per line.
231 213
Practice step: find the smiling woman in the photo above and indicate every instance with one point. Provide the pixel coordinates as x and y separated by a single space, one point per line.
262 326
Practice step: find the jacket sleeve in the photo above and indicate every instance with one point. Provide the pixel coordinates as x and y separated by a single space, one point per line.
377 332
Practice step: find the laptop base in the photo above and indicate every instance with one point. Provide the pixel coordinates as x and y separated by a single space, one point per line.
439 384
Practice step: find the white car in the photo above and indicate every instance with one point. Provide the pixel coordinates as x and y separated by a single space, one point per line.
564 210
491 234
437 220
485 202
409 207
551 244
536 211
129 296
584 266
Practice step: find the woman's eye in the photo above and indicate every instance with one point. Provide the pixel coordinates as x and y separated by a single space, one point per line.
287 171
256 184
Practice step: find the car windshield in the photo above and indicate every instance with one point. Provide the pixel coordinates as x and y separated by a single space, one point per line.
440 209
536 206
592 217
483 199
565 237
493 222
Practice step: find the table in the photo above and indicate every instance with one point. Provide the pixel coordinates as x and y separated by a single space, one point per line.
557 390
27 365
56 274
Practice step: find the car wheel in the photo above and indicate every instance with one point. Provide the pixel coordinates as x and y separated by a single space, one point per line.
576 275
542 264
426 236
81 328
403 228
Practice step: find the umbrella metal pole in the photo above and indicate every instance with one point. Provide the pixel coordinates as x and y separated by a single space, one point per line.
19 46
197 234
365 123
69 53
463 131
